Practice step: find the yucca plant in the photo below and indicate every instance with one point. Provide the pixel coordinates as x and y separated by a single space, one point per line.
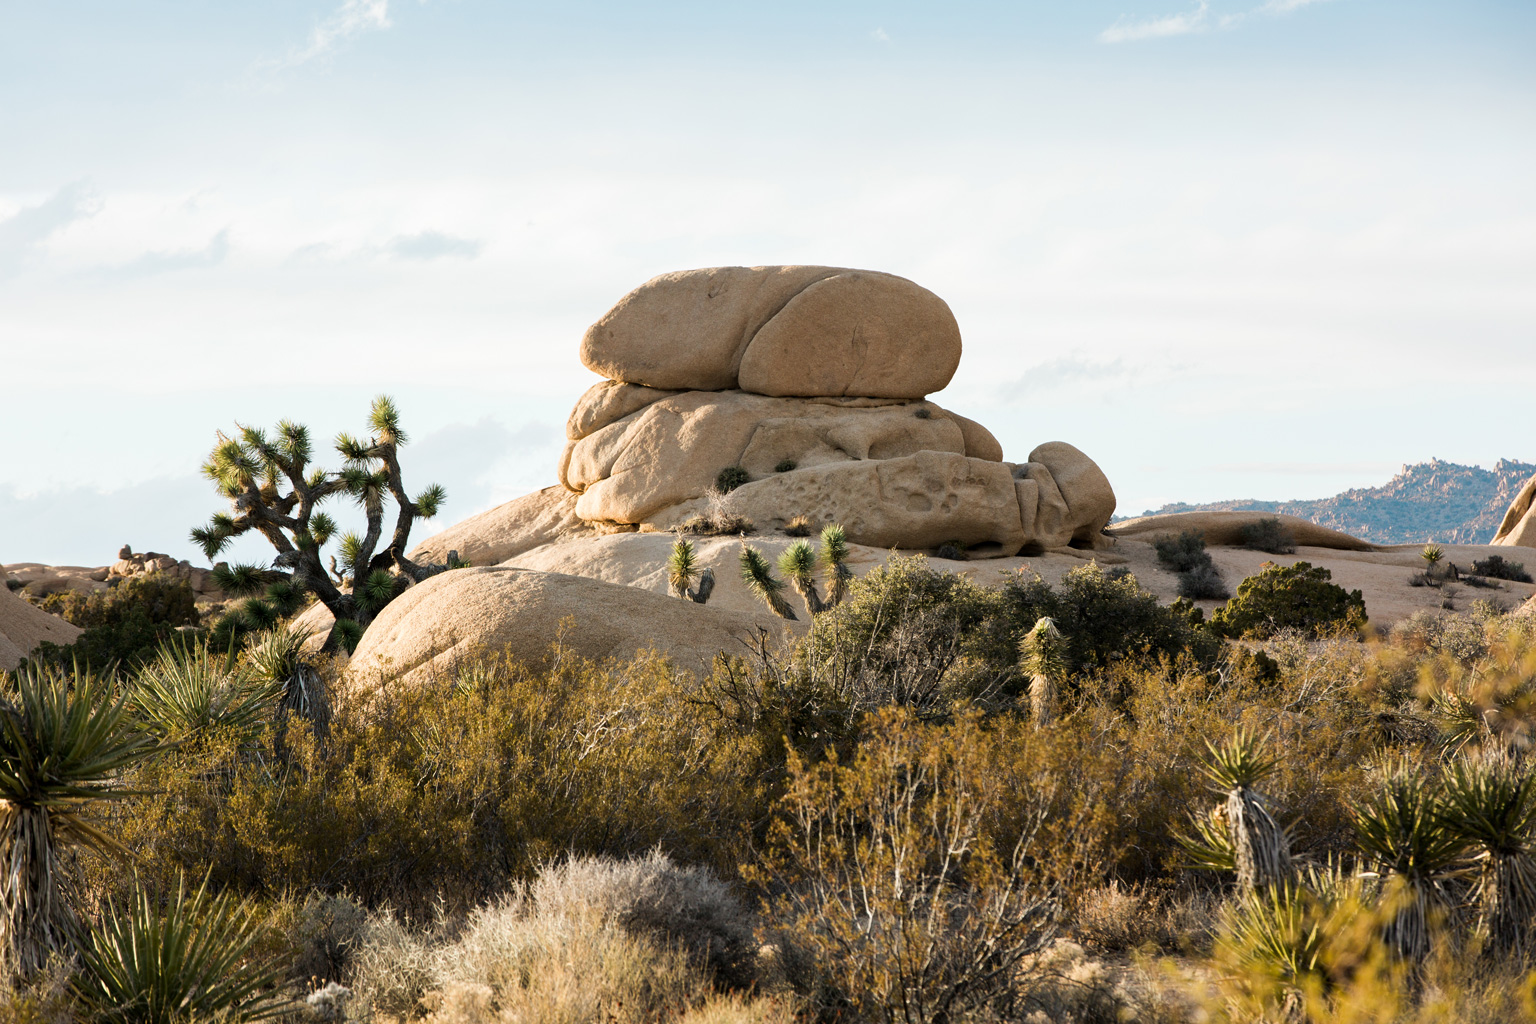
1490 804
1261 850
278 656
1274 939
64 739
1043 657
834 560
798 564
1402 829
187 959
1432 554
758 575
188 690
683 569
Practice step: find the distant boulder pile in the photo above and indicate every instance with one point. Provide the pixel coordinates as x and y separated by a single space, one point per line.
37 580
801 391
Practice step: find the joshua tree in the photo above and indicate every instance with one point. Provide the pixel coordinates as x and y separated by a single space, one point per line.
758 575
1043 656
683 569
1260 849
798 564
834 557
63 740
1432 554
274 491
1491 805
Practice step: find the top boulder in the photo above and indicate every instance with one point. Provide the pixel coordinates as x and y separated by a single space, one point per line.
782 331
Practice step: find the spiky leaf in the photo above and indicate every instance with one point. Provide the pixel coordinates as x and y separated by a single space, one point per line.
757 574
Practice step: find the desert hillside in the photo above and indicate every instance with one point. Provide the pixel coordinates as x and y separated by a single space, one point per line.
1442 502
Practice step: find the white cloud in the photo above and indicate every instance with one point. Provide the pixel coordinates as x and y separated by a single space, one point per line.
879 35
1123 31
160 262
1198 20
431 245
352 18
23 233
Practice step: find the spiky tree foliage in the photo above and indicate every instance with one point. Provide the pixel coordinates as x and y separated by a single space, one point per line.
275 491
798 564
188 959
1432 554
189 690
834 560
63 740
1491 805
758 575
1043 657
1402 829
1260 848
682 568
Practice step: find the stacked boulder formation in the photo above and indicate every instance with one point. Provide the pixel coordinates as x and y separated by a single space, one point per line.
812 382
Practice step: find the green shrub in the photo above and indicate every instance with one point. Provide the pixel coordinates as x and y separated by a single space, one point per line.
785 466
1104 618
1280 597
1268 535
730 478
124 625
1203 583
908 635
1184 552
1495 567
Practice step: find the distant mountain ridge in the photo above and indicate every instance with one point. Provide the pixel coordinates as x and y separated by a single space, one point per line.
1434 501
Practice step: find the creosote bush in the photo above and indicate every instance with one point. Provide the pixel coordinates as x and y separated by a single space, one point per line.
1497 568
1281 597
1269 535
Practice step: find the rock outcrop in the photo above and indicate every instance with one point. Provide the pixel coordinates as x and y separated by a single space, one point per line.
1519 525
810 382
781 331
520 612
23 627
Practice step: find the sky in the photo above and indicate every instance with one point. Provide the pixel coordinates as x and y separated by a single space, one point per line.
1263 248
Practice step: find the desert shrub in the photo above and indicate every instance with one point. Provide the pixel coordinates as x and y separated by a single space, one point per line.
914 879
1298 596
923 413
910 635
785 466
590 939
1103 618
1268 535
685 907
452 787
1495 567
1184 552
730 478
952 550
1203 583
799 526
124 625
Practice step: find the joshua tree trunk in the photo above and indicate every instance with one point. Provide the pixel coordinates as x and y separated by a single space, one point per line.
1260 847
1042 700
35 918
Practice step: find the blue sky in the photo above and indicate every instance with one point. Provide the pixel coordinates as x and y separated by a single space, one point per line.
1259 249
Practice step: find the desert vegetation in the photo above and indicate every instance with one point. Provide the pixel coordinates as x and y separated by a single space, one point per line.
945 803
